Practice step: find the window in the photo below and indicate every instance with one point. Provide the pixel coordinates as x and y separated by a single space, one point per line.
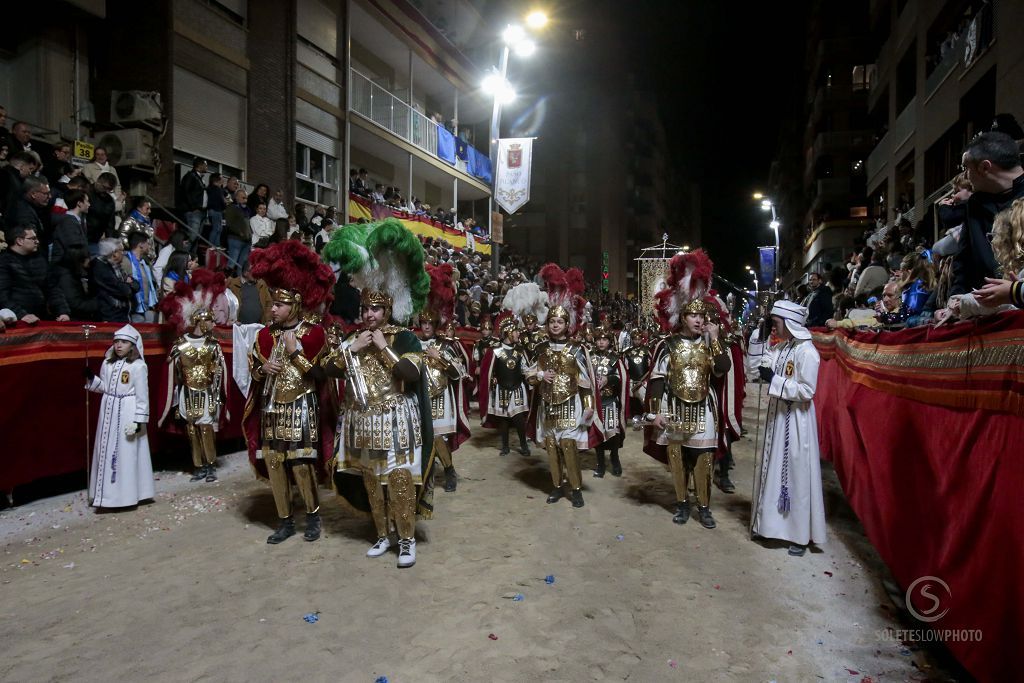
316 176
863 77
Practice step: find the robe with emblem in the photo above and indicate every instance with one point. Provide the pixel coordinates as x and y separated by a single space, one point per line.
122 472
790 457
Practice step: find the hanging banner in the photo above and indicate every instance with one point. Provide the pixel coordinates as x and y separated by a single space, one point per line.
767 266
512 178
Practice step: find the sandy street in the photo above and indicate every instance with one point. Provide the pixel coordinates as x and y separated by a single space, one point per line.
186 589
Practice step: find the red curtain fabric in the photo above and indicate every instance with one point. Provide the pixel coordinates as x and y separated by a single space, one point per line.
44 421
936 488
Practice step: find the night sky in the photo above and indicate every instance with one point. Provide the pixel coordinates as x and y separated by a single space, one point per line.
726 75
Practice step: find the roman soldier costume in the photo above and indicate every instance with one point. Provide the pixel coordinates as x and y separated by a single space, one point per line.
504 397
288 419
679 392
637 357
446 362
566 413
383 458
196 374
610 372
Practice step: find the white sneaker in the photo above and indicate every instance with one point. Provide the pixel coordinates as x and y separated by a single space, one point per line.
380 547
406 552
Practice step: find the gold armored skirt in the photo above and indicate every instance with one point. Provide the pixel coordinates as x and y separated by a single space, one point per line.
382 437
292 427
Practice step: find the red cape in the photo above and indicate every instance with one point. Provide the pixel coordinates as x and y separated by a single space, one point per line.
313 342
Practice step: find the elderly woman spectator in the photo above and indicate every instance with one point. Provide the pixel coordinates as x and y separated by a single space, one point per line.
115 290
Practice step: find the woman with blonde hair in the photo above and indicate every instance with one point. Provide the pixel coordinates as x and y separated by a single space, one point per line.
1008 249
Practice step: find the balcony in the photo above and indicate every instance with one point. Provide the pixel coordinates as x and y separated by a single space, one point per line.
376 104
827 143
902 130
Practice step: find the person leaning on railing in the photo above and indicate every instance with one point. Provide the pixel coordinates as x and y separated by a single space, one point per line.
1008 248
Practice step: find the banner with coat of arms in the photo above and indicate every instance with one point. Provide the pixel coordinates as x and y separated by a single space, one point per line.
512 179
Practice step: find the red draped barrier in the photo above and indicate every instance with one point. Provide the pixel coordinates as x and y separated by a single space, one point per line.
41 380
926 433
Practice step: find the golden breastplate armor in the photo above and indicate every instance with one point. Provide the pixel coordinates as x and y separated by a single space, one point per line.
605 365
689 369
437 377
289 383
561 363
380 386
198 364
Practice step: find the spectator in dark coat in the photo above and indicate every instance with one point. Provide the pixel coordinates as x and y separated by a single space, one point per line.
71 277
216 202
24 283
70 229
12 177
992 164
346 300
26 210
192 200
236 216
818 302
100 222
115 291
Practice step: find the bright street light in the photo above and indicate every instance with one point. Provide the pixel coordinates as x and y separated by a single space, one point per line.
758 195
766 205
525 48
513 34
536 19
774 225
499 88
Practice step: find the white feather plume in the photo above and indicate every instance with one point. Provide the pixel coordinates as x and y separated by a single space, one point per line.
527 298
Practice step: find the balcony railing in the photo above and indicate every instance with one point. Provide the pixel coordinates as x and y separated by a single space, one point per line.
391 113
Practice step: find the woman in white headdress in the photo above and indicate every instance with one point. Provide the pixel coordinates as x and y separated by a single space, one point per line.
122 473
788 502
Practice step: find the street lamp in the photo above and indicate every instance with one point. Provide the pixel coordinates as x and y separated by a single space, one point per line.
536 20
497 85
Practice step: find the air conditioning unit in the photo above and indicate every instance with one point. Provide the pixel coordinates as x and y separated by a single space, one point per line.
128 147
136 106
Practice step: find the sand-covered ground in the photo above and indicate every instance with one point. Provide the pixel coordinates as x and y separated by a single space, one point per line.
186 589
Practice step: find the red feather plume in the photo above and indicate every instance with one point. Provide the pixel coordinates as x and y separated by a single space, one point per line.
441 298
209 281
294 266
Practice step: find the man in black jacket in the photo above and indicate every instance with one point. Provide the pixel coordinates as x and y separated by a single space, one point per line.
192 200
818 302
100 219
24 285
25 211
992 163
70 230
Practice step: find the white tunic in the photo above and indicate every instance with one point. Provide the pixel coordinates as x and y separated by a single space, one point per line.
121 473
795 364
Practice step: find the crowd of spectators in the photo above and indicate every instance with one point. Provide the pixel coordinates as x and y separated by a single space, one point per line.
78 248
360 185
899 276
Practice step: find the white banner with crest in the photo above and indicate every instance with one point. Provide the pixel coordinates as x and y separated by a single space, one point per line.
512 177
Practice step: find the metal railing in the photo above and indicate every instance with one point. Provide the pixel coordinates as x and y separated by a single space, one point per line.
182 225
388 111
